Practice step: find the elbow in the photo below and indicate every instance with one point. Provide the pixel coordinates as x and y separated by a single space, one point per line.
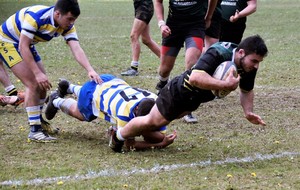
254 8
193 80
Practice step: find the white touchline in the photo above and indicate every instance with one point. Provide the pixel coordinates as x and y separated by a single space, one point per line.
155 169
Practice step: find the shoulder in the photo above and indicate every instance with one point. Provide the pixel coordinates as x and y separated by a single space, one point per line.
224 47
38 9
39 13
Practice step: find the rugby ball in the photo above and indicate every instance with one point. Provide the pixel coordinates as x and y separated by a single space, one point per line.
222 73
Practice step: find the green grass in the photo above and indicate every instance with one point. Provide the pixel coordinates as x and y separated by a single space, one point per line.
222 132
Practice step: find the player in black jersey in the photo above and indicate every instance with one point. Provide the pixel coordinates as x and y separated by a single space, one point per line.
234 13
187 91
185 25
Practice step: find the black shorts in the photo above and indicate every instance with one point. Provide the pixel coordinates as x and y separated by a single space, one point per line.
174 100
178 35
143 10
214 29
232 32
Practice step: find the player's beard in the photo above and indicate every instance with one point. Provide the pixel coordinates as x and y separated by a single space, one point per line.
243 65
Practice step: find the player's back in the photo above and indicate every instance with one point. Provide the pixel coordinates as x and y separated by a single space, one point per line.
115 100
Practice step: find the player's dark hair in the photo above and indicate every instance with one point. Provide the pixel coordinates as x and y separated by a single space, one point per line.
65 6
253 44
145 106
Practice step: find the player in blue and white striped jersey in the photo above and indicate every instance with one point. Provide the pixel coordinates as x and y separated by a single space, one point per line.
114 101
18 35
36 22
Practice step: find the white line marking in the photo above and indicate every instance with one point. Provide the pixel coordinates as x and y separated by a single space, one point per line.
155 169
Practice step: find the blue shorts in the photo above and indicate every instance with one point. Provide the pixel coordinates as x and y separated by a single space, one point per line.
85 98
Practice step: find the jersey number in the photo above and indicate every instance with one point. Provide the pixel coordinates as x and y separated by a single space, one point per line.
128 98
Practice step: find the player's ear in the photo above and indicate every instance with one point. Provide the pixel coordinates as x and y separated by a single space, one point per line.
136 111
241 53
56 12
56 15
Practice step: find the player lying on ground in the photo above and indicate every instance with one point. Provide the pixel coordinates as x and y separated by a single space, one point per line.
114 101
184 93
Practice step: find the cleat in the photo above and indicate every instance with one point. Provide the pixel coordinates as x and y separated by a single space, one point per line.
3 100
50 110
46 126
20 99
11 100
63 86
189 118
160 85
130 72
18 102
40 136
114 143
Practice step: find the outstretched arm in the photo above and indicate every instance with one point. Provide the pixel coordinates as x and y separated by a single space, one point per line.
82 59
246 99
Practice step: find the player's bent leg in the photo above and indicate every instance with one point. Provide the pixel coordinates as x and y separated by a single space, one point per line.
138 125
164 70
4 77
137 28
194 46
148 41
151 122
191 57
193 52
69 107
209 41
166 65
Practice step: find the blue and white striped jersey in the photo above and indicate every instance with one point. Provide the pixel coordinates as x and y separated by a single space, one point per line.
114 101
37 23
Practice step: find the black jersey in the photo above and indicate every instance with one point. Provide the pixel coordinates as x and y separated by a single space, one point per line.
229 8
186 11
214 56
218 10
179 96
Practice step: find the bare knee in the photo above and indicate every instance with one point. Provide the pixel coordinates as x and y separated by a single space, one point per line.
33 87
146 41
134 37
